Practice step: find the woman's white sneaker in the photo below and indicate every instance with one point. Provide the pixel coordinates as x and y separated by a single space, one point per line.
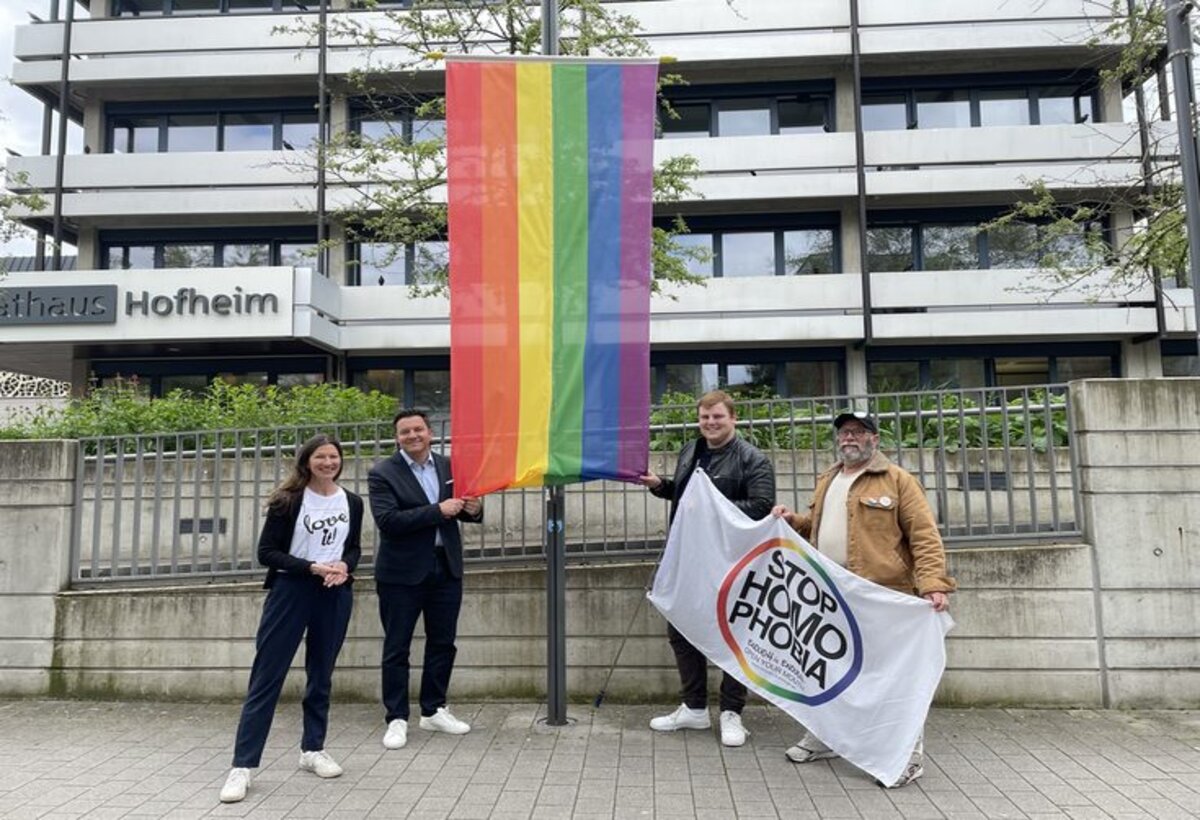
235 786
320 764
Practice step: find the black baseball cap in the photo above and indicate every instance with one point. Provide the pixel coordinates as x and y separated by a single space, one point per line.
865 419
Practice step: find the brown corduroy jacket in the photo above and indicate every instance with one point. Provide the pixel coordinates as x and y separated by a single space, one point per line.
893 537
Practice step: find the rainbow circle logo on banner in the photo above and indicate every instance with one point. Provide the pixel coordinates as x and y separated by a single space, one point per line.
788 625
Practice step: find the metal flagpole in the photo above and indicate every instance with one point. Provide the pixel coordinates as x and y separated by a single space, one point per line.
556 548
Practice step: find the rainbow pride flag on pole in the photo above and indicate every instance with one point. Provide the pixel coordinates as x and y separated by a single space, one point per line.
550 184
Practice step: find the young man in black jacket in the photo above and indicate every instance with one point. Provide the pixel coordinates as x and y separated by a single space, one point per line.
747 478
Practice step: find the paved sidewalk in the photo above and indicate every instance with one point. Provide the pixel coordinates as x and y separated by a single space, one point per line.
106 760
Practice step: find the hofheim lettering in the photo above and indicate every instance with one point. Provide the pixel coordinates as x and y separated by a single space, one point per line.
186 302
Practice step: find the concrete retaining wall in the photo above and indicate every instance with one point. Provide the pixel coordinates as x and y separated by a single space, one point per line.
1026 635
1110 622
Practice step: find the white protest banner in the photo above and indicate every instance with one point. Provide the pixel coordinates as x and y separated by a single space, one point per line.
855 662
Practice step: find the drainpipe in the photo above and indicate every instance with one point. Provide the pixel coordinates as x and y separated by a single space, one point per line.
64 89
322 138
1179 55
860 172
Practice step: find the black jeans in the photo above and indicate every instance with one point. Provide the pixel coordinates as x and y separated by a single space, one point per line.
297 606
438 599
693 677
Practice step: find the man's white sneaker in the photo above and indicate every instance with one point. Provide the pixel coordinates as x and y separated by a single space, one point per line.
681 718
802 754
443 721
235 786
396 735
320 764
733 733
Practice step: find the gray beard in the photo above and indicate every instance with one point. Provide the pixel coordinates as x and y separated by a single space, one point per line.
864 455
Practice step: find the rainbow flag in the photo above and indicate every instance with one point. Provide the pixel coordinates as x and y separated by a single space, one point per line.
550 167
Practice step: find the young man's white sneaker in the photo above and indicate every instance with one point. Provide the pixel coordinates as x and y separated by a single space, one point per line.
396 735
320 764
235 786
733 733
681 718
443 721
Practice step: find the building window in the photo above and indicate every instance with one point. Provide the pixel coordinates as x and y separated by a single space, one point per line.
212 126
383 119
810 379
693 379
179 255
701 242
383 263
767 251
890 106
809 250
1013 245
733 116
157 8
1179 357
246 255
949 247
424 387
743 118
1063 105
1004 106
778 372
804 115
970 372
238 253
943 109
690 120
248 132
885 112
890 249
191 132
934 245
747 254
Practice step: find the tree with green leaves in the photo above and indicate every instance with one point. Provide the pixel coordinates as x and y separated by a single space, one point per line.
394 161
1152 245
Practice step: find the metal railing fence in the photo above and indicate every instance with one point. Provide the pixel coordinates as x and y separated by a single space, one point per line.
996 464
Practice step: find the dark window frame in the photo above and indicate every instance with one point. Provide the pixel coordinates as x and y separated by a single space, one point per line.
915 220
277 109
166 8
1033 84
217 238
772 93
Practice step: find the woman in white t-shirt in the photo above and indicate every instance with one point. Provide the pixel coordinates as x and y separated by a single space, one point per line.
310 544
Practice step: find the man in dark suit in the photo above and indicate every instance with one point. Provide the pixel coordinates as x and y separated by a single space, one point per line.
418 572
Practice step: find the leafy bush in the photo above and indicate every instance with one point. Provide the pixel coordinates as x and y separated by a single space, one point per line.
953 420
122 410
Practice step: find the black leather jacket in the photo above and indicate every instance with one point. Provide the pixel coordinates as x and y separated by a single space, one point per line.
739 470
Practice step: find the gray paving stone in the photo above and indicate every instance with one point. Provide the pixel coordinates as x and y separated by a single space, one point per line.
141 760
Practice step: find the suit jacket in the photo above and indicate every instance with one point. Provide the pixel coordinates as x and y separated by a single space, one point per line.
275 541
407 522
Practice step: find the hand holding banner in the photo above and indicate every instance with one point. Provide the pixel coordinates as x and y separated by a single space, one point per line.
855 662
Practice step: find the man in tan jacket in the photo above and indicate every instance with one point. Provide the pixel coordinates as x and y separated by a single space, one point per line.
872 517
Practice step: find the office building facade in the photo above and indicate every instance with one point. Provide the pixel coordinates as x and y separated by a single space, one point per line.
849 151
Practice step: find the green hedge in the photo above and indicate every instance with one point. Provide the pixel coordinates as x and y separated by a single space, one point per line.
905 420
124 410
